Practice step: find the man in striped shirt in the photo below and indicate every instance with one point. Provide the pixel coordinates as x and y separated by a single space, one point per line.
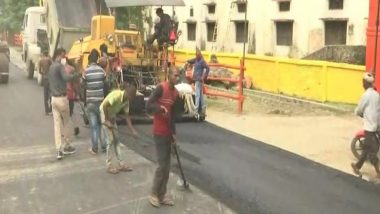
94 77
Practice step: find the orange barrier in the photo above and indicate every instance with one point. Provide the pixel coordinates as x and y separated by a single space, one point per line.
239 96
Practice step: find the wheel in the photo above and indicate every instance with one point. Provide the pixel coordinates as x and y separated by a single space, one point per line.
4 79
357 146
30 69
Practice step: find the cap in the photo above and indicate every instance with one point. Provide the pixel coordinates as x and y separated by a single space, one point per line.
368 77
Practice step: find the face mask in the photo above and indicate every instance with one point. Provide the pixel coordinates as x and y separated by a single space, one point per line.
63 61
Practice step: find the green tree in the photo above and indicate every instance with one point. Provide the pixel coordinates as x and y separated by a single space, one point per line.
129 15
12 13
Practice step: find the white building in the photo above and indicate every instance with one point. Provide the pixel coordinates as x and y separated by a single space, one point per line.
291 28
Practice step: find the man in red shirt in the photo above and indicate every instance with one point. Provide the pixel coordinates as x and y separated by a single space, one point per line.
162 103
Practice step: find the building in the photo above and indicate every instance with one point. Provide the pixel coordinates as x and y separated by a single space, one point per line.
290 28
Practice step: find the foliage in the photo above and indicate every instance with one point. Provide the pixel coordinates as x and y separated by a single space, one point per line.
12 13
129 15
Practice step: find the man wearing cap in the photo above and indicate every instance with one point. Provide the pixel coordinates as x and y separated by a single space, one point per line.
201 71
369 109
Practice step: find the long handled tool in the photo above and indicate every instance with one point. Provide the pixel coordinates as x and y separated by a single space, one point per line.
185 184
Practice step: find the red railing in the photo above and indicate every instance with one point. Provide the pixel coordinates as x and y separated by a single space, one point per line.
239 96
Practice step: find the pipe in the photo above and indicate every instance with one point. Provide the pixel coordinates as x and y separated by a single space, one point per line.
376 38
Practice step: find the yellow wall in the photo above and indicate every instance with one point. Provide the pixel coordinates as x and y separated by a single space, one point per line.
313 80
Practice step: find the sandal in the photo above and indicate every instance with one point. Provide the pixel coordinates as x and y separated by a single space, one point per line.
112 170
167 201
125 168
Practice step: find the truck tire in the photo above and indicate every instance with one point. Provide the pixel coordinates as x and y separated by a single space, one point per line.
4 68
4 79
29 69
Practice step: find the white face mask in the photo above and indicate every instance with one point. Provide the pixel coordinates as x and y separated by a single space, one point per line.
63 61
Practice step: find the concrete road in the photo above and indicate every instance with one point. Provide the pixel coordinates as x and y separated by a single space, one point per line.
33 181
253 177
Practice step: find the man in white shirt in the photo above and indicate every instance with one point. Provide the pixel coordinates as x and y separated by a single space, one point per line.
369 109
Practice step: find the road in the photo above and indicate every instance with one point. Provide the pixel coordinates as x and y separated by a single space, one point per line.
33 181
248 175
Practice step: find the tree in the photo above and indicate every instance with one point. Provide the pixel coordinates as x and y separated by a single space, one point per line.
12 13
129 15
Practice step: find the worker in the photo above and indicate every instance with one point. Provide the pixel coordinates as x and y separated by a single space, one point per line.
162 103
162 29
94 78
115 102
200 73
369 109
60 104
72 89
43 68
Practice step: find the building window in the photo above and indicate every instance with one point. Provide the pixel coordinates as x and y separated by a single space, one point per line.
211 30
241 7
284 33
284 6
211 9
335 32
191 12
239 31
335 4
191 31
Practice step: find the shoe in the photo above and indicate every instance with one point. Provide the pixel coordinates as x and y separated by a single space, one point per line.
167 201
59 155
153 200
197 117
91 151
69 150
76 131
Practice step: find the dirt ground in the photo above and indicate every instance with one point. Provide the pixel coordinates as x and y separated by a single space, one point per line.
314 133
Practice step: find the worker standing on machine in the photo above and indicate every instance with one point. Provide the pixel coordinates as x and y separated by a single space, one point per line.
162 29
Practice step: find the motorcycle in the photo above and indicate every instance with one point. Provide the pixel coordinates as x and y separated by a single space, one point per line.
357 143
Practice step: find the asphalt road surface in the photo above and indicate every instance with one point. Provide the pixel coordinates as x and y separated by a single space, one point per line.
248 175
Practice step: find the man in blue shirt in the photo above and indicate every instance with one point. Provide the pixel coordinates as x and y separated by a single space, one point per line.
200 74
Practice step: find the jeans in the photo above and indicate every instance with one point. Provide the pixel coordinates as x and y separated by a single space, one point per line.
93 113
112 141
199 98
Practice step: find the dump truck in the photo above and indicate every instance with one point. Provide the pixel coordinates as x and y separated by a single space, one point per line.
34 29
54 24
4 62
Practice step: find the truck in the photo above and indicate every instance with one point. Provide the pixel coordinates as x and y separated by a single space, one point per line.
4 62
34 27
54 24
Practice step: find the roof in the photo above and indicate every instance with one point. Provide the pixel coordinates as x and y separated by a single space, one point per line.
130 3
35 9
84 10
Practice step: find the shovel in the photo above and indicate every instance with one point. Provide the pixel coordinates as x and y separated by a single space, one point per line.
182 183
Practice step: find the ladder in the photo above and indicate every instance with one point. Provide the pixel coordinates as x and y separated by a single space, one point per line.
214 35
